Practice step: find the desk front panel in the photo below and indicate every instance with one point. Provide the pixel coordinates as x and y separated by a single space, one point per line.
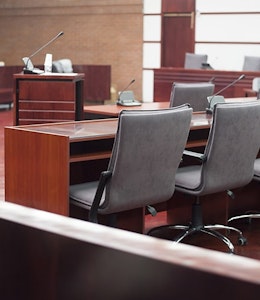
45 99
36 172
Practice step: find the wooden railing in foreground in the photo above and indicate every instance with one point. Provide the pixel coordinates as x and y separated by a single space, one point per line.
48 256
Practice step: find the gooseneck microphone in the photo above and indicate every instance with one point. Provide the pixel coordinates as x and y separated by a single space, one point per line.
130 83
27 60
211 99
230 84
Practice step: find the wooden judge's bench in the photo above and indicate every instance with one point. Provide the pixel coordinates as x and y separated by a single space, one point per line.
164 78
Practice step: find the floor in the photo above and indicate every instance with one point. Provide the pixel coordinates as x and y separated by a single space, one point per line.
250 230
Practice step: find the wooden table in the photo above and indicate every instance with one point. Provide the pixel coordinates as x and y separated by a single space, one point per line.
43 160
113 110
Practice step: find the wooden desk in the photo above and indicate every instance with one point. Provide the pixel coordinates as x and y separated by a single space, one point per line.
113 110
96 89
39 158
48 98
43 160
164 78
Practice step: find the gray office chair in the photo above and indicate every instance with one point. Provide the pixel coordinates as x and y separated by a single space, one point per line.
62 66
193 93
251 63
227 163
146 153
195 61
256 177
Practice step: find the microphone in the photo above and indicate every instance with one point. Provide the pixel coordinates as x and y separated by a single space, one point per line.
130 83
29 68
219 99
127 98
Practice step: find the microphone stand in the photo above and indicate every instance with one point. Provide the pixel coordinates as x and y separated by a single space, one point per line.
131 82
27 59
209 109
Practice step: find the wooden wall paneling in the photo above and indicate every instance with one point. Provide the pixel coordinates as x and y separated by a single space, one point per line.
178 32
177 38
164 78
178 6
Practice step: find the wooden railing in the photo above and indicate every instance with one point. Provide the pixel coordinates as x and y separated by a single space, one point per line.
47 256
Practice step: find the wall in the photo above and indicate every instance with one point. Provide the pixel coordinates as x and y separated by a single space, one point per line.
227 31
95 32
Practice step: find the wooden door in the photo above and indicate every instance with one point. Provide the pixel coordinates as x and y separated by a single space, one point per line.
178 32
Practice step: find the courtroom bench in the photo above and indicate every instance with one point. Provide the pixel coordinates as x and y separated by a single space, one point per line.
164 78
6 83
97 82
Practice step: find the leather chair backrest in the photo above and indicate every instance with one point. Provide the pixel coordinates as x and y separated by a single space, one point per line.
251 63
193 93
146 154
233 145
194 61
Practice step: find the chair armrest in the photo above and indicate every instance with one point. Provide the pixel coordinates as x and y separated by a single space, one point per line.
194 154
103 179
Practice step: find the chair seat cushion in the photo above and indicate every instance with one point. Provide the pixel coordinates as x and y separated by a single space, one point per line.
188 177
84 193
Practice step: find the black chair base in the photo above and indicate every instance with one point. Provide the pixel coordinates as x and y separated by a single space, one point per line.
208 229
197 226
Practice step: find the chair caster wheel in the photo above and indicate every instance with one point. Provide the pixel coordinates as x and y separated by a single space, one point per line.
242 241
